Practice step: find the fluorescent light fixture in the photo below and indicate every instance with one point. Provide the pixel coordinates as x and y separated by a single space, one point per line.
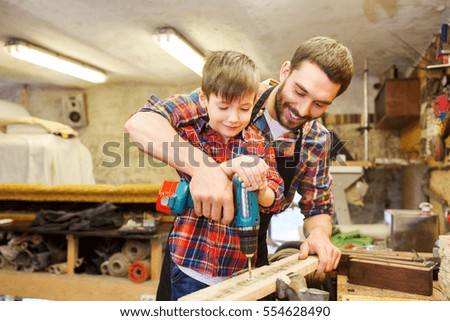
174 44
37 55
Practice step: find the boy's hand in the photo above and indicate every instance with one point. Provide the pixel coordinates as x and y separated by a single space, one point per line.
251 170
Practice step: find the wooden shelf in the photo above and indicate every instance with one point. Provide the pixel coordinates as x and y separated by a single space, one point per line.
75 287
138 193
72 286
438 66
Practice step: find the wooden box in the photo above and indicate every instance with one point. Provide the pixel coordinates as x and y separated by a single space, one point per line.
409 277
398 103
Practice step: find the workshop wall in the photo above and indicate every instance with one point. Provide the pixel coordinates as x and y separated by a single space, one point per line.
382 143
436 152
116 161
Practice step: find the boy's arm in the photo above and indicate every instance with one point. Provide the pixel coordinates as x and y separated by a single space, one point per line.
210 188
274 182
258 172
266 196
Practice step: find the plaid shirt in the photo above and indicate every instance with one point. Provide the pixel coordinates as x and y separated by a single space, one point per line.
196 242
311 179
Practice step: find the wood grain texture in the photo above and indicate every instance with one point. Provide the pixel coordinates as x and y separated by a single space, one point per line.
240 288
77 287
353 292
392 276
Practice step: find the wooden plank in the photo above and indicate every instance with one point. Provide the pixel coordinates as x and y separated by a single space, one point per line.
395 255
353 292
72 253
398 277
130 193
19 216
365 164
77 287
240 288
155 258
397 260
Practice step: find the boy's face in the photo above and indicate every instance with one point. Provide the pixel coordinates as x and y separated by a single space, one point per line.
305 94
228 118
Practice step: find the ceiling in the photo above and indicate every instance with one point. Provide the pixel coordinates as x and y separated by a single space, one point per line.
116 35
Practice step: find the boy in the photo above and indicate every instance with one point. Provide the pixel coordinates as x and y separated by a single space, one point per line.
204 251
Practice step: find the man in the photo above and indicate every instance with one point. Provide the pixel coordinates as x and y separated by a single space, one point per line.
320 70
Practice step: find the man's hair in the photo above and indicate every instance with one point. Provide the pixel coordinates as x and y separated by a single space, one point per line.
229 74
328 54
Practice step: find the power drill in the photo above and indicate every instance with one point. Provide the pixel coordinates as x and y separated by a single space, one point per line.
174 198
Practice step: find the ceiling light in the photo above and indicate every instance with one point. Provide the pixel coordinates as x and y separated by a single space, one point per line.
52 60
174 44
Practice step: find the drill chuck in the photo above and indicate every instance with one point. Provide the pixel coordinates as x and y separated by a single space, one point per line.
248 240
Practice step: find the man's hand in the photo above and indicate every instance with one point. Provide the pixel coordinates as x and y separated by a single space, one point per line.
212 193
318 242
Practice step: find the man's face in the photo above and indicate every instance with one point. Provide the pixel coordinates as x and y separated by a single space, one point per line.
303 95
228 118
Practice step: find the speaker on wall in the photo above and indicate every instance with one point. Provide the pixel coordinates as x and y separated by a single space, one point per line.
74 110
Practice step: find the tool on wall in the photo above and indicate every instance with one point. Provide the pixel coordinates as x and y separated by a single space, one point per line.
174 198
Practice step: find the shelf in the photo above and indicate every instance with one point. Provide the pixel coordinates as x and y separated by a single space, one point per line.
137 193
77 287
438 66
72 286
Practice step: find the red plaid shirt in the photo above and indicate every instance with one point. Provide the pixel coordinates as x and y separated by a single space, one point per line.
196 242
311 179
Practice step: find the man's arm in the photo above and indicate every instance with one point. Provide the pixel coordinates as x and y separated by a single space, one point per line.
210 188
317 230
317 202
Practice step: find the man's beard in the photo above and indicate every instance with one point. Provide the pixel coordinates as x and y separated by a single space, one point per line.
286 123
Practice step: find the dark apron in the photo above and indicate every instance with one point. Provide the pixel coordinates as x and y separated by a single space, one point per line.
286 168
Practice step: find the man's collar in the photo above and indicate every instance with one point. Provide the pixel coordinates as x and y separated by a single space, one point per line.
275 127
277 130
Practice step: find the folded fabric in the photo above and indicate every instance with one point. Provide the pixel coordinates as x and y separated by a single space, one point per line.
52 127
104 216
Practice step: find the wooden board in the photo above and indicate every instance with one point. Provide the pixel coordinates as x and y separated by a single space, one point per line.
132 193
367 254
392 276
353 292
77 287
240 288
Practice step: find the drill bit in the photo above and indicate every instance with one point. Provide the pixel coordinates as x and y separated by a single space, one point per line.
250 275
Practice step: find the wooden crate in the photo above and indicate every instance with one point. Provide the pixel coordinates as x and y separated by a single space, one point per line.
397 105
406 277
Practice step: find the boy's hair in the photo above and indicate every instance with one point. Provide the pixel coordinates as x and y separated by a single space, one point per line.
330 55
229 74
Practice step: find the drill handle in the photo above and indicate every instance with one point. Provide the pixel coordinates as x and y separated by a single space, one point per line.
246 205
